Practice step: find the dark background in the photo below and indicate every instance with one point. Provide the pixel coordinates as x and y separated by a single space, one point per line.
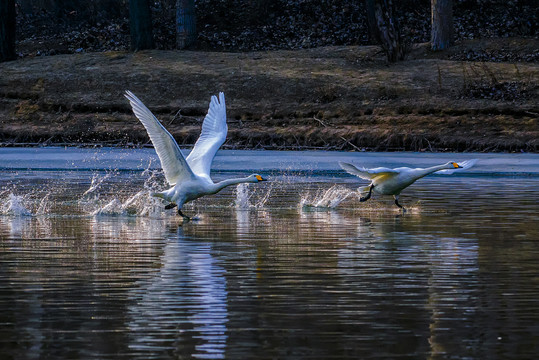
48 27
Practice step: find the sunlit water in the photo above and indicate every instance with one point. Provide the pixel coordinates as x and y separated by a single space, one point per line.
92 267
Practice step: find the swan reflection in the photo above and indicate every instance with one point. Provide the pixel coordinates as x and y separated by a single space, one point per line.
184 301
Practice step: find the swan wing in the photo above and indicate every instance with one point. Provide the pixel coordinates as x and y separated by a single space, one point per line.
172 160
367 174
463 166
212 136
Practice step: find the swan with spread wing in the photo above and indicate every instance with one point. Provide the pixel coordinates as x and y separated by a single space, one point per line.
189 176
387 181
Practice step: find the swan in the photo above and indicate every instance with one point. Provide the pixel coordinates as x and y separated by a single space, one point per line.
189 176
387 181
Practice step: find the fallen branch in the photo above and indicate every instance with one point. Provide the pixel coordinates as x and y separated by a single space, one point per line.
342 138
181 117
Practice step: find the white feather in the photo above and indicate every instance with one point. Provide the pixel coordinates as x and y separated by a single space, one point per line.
364 173
172 160
212 136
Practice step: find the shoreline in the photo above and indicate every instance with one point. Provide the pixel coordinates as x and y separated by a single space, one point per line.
225 147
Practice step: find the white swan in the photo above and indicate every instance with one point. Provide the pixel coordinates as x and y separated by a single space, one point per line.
189 176
387 181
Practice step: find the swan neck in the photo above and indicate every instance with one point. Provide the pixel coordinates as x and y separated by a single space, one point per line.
223 184
430 170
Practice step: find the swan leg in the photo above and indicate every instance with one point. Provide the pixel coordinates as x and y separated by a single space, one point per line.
185 217
170 206
365 198
397 203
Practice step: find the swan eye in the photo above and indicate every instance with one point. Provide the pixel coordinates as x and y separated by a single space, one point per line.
259 178
455 165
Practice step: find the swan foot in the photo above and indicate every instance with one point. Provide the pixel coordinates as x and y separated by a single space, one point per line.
365 198
399 205
170 206
185 217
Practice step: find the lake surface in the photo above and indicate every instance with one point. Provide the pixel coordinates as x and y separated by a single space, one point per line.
91 267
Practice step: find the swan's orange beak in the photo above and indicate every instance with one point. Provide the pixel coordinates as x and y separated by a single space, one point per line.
260 178
456 165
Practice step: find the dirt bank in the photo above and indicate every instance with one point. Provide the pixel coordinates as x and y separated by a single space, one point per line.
344 98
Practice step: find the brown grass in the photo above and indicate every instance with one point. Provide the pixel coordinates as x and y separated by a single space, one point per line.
340 98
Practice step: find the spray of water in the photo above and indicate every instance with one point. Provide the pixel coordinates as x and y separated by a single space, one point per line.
114 207
249 199
327 199
14 205
44 205
97 180
140 204
242 197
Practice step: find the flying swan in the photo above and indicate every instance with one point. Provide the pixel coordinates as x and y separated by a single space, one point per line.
387 181
189 176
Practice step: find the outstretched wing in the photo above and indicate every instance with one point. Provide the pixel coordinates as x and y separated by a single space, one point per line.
172 160
367 174
463 166
211 138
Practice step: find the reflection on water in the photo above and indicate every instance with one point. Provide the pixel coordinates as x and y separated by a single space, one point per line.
182 307
261 275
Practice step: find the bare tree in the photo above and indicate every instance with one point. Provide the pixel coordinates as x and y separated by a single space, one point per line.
185 23
371 21
7 30
385 28
442 24
140 24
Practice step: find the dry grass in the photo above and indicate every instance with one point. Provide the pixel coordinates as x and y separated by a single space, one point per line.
277 99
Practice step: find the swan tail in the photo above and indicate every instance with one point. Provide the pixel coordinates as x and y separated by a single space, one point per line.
352 170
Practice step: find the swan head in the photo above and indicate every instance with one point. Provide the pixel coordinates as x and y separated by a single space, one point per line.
256 178
453 165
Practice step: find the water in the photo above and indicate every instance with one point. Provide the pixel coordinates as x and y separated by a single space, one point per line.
92 267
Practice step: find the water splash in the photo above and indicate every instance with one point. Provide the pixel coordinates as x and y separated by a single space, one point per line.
140 204
114 207
249 199
329 199
14 206
143 204
242 197
90 199
97 180
44 205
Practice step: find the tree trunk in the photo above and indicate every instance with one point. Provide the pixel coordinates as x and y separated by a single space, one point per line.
185 23
387 30
442 24
370 5
140 24
7 30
